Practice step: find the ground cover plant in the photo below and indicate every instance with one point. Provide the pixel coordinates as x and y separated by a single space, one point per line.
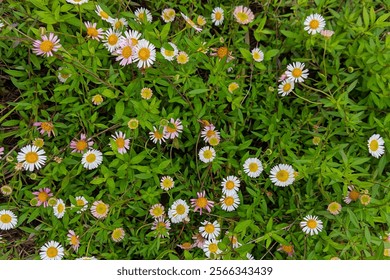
194 129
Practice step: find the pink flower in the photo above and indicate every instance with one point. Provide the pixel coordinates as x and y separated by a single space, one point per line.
81 145
45 127
43 196
125 53
201 203
47 46
1 151
73 240
173 128
121 142
327 33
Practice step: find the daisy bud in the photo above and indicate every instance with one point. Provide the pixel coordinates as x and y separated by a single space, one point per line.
10 158
33 176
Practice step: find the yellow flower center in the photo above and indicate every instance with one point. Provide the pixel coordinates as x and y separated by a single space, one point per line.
232 87
47 126
230 185
120 142
253 167
117 233
286 87
218 15
146 93
5 218
112 39
182 58
256 55
208 154
201 21
127 52
104 15
288 248
31 157
133 123
101 209
74 240
374 145
282 175
210 133
222 52
158 135
42 196
297 72
46 46
169 52
90 158
180 209
201 202
242 17
334 207
80 202
38 142
186 246
157 211
312 224
92 32
118 24
141 16
209 228
213 248
60 208
144 54
52 252
134 41
81 145
167 183
171 128
97 99
229 201
314 24
354 195
213 141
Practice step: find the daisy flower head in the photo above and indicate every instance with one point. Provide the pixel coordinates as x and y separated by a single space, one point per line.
334 208
47 45
286 87
352 195
257 55
42 196
222 52
74 240
296 72
182 57
121 142
167 183
52 250
158 135
38 142
207 154
233 86
102 14
81 202
97 99
144 53
230 185
168 15
8 220
6 190
92 159
230 202
201 20
112 39
288 249
59 209
233 240
133 123
282 175
124 53
311 225
253 167
170 54
376 146
157 210
142 15
217 16
314 24
146 93
161 227
191 23
93 32
178 211
327 33
80 145
209 131
243 15
210 247
186 246
45 127
173 128
214 140
201 202
31 157
119 23
63 75
365 199
77 2
210 230
118 234
99 209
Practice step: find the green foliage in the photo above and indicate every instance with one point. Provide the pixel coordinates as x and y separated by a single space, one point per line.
344 101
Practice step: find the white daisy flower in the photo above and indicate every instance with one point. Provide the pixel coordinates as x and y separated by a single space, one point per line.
210 230
124 53
314 24
217 16
112 39
253 167
311 225
257 55
286 87
81 202
230 185
170 54
92 159
118 23
178 211
210 247
168 15
121 142
207 154
296 72
376 146
31 157
59 209
191 23
143 14
103 15
8 220
132 37
144 53
52 250
167 183
230 202
158 135
282 175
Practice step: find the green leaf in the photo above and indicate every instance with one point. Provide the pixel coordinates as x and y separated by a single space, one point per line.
165 31
279 239
366 18
98 181
108 93
197 91
242 226
119 109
